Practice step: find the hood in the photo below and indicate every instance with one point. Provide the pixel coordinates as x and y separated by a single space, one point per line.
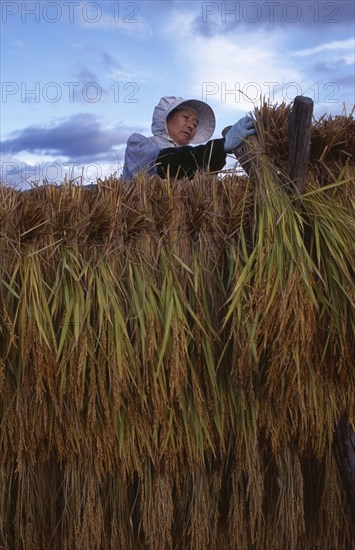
206 118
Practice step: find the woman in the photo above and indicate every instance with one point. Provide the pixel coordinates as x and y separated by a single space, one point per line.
176 125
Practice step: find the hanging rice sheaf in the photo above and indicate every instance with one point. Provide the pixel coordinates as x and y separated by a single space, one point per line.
176 356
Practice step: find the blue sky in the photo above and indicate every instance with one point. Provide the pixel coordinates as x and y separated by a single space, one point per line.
78 77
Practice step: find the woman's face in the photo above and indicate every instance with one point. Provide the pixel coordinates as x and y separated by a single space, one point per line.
182 125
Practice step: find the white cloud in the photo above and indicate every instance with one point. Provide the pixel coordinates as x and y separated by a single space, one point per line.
332 53
231 71
340 47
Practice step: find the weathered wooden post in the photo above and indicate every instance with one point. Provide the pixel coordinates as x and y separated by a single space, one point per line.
299 141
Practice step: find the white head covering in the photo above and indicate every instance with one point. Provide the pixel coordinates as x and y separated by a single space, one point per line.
205 115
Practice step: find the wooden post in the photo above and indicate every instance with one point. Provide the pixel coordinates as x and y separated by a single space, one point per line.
299 141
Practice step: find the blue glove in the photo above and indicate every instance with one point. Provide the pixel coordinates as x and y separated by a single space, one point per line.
235 136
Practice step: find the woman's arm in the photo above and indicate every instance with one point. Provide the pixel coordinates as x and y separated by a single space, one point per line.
186 160
142 155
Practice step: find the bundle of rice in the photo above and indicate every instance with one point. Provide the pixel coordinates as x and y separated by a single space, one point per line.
175 356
